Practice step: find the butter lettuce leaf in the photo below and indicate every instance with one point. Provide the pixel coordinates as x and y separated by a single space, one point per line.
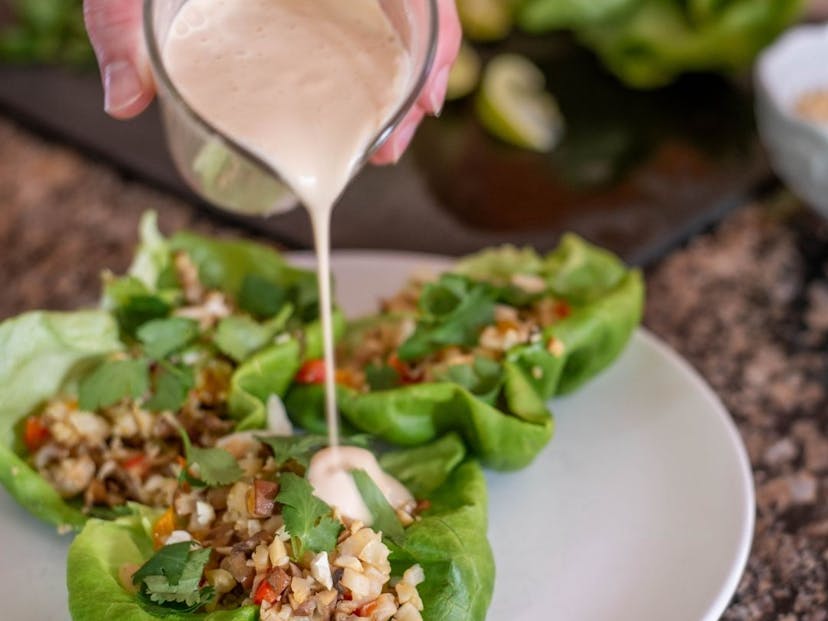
95 590
502 414
648 43
44 354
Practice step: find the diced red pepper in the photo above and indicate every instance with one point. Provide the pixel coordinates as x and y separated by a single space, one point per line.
407 375
35 434
265 593
139 463
562 309
368 609
312 372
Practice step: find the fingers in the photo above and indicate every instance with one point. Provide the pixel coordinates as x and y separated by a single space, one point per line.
115 29
434 93
393 148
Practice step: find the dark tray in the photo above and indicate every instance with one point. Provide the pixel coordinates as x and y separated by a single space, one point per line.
636 172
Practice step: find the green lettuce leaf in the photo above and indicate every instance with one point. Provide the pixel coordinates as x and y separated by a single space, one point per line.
449 542
420 413
423 469
503 415
647 43
230 265
43 355
95 590
266 373
385 517
152 256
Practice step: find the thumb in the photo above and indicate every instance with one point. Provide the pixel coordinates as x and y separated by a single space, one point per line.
115 29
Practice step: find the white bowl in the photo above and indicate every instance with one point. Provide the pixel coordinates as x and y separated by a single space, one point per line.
798 149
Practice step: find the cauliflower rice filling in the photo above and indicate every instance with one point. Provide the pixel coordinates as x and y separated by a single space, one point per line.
252 561
512 326
124 452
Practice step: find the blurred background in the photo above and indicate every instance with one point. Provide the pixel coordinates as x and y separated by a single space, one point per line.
629 121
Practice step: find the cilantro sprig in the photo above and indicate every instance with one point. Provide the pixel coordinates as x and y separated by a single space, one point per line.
215 466
162 337
171 578
112 381
294 448
453 311
301 448
172 384
308 520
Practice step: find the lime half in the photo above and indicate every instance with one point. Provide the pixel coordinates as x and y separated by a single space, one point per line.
485 20
513 105
465 73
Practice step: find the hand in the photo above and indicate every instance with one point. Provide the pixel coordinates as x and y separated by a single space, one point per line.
115 30
434 93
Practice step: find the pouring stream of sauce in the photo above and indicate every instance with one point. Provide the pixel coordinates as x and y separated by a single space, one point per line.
306 86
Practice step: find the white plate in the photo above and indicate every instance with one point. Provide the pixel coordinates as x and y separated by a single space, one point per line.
641 508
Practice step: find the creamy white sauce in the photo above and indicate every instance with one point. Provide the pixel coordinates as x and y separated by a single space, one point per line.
306 86
330 475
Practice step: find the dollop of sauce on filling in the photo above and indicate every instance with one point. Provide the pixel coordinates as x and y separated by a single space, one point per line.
330 475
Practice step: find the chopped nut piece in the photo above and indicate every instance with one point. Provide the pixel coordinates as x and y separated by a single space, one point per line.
221 580
321 570
278 553
407 612
556 347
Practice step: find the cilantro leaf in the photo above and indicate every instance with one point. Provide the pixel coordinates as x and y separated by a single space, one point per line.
133 303
261 297
382 377
453 311
215 466
294 448
385 518
171 578
308 520
172 386
239 336
169 561
301 448
112 381
161 337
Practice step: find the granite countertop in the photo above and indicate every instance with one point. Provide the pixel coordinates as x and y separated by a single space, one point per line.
746 304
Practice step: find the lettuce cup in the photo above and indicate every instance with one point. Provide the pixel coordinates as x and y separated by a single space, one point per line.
93 403
263 545
480 350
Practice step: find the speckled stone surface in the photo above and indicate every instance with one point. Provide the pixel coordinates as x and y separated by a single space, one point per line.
747 304
64 218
